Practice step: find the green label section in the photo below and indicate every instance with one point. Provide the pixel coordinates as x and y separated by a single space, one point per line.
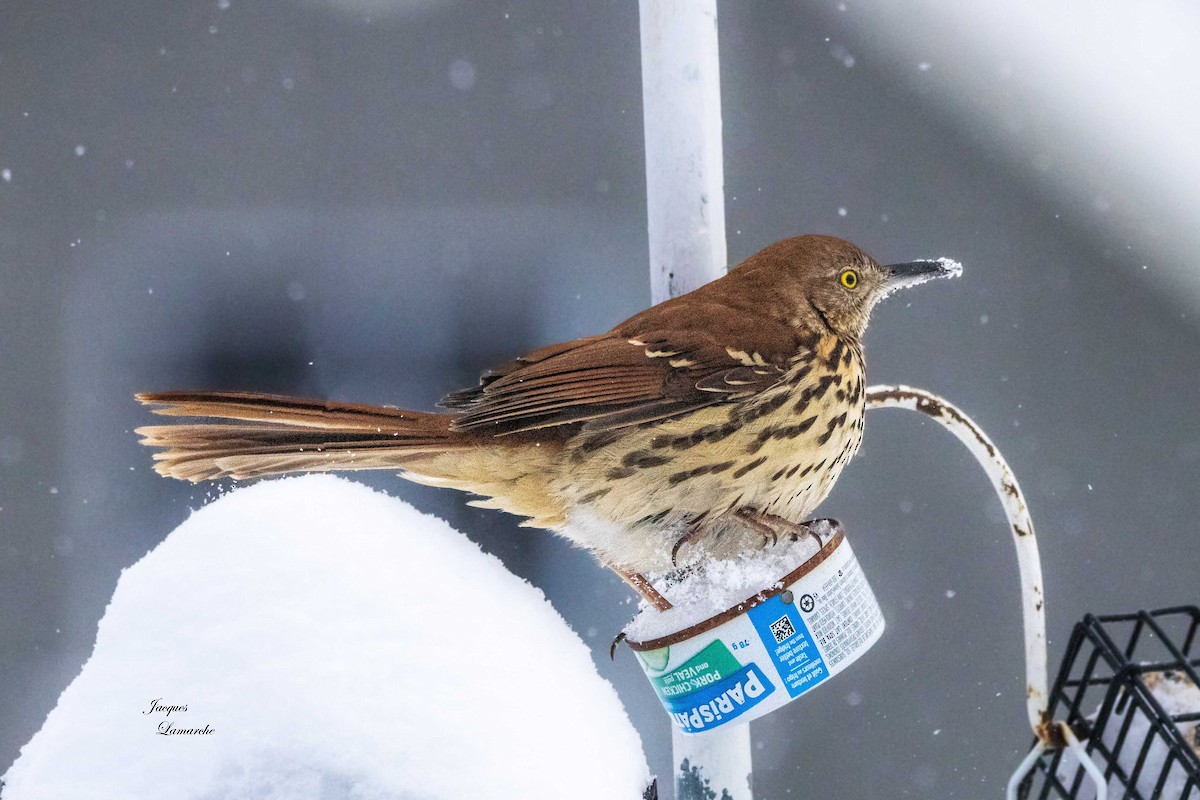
708 666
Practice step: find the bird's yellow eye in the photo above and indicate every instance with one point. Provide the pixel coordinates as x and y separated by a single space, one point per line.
849 278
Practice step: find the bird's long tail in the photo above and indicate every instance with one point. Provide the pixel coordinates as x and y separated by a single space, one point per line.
261 434
243 435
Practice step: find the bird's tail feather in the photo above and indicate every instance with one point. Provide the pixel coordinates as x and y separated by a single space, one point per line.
265 434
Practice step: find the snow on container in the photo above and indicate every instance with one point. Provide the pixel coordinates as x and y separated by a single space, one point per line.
747 636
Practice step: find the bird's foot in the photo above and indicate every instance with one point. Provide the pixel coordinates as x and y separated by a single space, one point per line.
693 533
755 522
774 527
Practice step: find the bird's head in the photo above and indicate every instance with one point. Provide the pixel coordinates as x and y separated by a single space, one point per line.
822 282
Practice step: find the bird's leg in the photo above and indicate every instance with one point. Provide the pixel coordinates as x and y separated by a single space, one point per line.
756 522
643 587
794 529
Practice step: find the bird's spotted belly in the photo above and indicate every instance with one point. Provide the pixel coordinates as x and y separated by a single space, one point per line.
779 455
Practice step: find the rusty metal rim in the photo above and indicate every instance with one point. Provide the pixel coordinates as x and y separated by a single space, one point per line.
761 597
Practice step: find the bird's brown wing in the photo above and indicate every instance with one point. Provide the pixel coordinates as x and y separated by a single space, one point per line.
655 366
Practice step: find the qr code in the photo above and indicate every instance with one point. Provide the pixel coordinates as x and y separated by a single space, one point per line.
782 629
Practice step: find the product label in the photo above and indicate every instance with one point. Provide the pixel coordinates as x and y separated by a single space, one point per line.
708 689
707 667
789 644
845 617
832 617
720 702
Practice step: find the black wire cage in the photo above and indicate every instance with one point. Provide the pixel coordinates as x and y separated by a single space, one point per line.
1129 689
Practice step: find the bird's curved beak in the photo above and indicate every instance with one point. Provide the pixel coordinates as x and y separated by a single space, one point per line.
910 273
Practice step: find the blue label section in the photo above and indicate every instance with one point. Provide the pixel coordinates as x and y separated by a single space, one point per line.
789 644
720 702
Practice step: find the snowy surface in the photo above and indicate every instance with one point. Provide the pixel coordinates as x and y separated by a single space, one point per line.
1177 695
337 644
721 585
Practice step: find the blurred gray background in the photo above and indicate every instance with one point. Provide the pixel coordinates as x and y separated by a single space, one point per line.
373 200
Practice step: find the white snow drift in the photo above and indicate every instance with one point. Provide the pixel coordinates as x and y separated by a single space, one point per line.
322 640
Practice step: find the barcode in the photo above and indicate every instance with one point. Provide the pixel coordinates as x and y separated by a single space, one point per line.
782 628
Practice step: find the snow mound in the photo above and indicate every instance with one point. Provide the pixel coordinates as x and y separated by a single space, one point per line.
319 639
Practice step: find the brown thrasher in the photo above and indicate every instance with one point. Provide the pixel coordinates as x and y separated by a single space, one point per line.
701 427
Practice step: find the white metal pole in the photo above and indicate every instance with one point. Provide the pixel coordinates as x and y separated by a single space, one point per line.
685 200
685 178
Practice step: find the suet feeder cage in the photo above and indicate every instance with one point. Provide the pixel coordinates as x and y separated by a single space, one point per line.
1129 689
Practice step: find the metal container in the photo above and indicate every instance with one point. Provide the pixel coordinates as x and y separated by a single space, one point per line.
769 649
